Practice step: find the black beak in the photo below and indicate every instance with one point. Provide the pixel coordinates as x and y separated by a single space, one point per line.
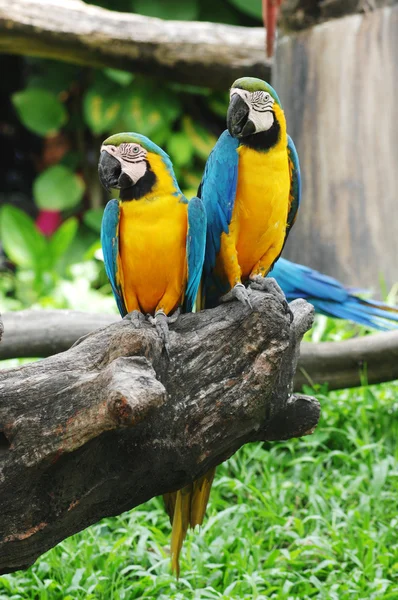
238 122
109 170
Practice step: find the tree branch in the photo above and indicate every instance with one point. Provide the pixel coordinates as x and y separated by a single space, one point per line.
34 333
351 363
113 421
199 53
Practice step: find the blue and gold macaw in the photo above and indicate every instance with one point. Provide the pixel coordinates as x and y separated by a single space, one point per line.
152 238
251 191
153 243
332 298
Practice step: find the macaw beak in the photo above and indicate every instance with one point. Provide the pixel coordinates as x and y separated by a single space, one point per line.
238 122
109 170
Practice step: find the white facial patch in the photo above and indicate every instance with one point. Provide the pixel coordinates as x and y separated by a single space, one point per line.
132 158
260 105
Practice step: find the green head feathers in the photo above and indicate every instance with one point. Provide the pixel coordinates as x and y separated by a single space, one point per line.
253 84
134 138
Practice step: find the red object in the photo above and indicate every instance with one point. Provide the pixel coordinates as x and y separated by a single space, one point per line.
270 17
48 221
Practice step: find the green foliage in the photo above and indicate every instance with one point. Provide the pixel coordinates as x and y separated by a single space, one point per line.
308 518
93 218
102 104
35 256
188 10
40 110
58 188
250 7
23 243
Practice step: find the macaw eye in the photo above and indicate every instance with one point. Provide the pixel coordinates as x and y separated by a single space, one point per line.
136 149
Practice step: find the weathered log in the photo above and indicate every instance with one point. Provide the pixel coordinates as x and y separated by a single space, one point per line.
337 83
351 363
346 364
113 421
41 333
207 54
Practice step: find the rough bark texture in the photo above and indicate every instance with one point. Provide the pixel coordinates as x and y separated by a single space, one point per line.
337 83
30 333
207 54
113 421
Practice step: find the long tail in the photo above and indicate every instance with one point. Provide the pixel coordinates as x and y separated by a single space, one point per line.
187 508
332 298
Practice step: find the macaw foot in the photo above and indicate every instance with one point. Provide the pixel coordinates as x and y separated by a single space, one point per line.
270 286
238 292
161 321
136 318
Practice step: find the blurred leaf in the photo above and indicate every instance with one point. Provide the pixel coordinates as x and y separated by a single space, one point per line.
118 76
61 240
188 10
93 218
201 139
22 242
51 75
39 110
71 160
252 8
218 103
101 105
148 108
180 148
58 188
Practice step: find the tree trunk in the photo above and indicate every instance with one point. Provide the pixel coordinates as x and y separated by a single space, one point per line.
113 421
337 83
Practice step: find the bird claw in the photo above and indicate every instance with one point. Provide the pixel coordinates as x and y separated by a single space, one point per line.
270 286
161 321
238 292
136 318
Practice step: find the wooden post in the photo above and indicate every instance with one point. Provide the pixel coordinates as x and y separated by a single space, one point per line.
338 83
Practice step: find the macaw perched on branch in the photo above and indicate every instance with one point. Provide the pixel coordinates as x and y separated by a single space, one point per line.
332 298
153 243
251 191
152 238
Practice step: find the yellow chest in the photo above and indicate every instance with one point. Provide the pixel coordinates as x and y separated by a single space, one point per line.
152 253
261 204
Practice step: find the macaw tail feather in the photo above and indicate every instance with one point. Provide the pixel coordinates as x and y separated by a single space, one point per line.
332 298
181 516
369 313
187 508
200 497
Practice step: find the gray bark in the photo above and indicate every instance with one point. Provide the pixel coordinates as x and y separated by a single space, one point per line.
200 53
113 421
33 333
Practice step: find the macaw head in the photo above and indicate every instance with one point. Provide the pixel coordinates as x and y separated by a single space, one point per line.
132 163
254 107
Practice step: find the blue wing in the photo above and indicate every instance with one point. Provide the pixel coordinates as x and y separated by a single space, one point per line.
217 191
196 242
110 250
295 184
332 298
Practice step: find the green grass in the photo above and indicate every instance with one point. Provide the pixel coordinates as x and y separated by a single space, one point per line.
309 518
